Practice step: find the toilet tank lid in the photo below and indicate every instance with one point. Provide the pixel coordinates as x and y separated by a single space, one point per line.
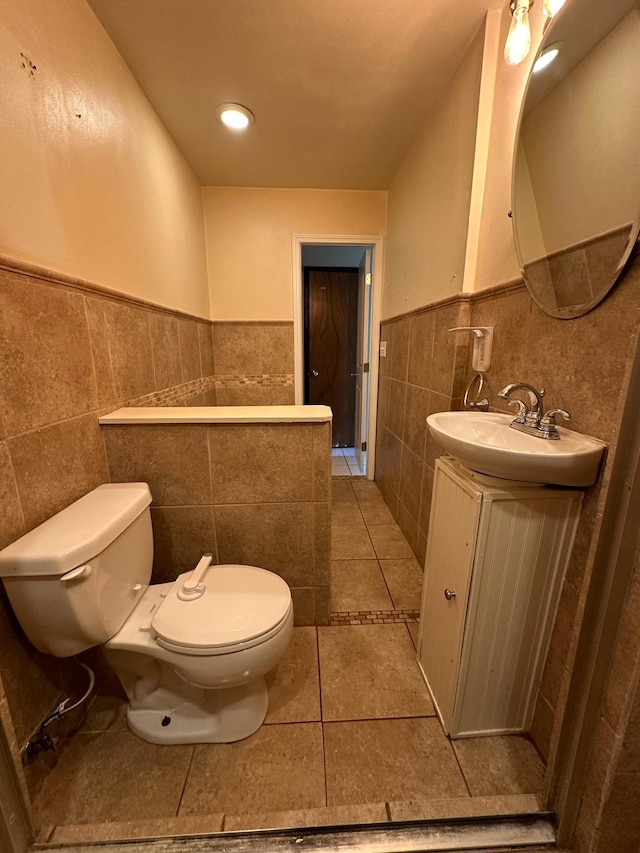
76 534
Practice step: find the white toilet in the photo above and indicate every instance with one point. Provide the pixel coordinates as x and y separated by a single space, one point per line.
191 654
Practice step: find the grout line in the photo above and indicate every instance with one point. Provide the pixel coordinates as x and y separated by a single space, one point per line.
433 716
186 776
319 673
324 748
410 636
462 773
388 588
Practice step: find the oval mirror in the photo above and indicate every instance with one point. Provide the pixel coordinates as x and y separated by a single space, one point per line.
576 175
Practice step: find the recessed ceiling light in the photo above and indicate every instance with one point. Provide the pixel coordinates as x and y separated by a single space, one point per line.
234 116
546 58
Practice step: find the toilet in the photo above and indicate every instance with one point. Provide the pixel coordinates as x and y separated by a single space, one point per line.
191 654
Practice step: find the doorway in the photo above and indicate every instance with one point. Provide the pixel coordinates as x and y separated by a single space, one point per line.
330 338
337 297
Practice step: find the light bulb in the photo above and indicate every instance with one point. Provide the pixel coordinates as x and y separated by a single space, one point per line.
545 59
552 7
234 116
518 42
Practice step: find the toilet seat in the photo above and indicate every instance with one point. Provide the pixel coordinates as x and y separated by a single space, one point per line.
241 607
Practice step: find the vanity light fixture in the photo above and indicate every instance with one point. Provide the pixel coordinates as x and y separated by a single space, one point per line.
546 57
234 116
518 42
552 7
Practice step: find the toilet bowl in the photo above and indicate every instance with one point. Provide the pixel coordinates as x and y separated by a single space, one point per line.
191 654
196 674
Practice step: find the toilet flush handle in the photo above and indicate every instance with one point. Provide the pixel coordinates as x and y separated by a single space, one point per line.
194 587
76 574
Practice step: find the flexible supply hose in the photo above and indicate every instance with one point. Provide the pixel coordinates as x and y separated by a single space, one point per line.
62 708
42 741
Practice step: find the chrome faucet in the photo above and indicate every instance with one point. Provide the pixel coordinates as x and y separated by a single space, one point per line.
532 420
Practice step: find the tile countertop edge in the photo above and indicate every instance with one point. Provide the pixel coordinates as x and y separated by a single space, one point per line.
218 415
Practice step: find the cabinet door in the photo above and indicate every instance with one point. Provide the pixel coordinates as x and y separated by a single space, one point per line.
455 511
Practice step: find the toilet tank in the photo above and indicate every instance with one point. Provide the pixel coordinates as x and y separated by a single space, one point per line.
73 581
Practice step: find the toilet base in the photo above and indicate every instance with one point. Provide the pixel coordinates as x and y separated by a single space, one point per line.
208 716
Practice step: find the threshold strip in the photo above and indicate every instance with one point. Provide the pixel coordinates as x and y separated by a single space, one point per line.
519 834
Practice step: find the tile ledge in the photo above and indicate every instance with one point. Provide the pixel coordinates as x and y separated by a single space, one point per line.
218 415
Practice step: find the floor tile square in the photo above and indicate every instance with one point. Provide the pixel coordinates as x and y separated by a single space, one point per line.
389 542
351 542
294 685
328 816
339 467
342 490
278 768
367 491
404 580
358 585
344 513
386 760
114 776
500 765
464 807
376 512
370 671
123 830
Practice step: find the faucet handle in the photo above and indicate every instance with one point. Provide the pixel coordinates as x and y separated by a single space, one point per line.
548 422
522 410
549 419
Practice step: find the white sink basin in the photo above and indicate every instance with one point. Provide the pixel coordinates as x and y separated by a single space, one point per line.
484 442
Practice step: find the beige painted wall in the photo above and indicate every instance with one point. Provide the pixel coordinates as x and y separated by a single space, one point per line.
429 198
249 242
496 257
91 184
578 193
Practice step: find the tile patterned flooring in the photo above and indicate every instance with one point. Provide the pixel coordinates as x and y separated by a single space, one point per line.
344 462
351 735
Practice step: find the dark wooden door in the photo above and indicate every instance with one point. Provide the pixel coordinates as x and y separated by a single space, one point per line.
331 328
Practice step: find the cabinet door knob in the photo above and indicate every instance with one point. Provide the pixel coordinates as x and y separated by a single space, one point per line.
449 594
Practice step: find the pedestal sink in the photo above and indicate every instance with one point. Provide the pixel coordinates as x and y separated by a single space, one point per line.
485 442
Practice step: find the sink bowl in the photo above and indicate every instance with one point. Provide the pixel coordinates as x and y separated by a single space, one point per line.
485 442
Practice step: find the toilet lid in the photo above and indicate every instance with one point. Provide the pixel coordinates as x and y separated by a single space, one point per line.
239 603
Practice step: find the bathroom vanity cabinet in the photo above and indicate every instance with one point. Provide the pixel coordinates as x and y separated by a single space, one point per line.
496 557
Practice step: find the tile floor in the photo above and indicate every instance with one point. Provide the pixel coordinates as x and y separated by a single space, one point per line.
350 736
344 463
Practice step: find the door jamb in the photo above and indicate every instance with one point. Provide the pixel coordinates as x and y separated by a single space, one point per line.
377 243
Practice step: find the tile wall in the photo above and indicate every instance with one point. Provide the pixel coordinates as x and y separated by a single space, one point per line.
69 352
254 364
559 279
257 494
584 366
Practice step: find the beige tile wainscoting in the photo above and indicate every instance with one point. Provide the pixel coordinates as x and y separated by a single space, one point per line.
351 734
254 363
69 352
252 493
584 366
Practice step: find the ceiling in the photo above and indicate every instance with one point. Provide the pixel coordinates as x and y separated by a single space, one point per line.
339 88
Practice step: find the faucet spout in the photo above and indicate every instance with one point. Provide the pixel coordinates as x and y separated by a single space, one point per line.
535 398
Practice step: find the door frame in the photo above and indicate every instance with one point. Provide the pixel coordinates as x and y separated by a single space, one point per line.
376 242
